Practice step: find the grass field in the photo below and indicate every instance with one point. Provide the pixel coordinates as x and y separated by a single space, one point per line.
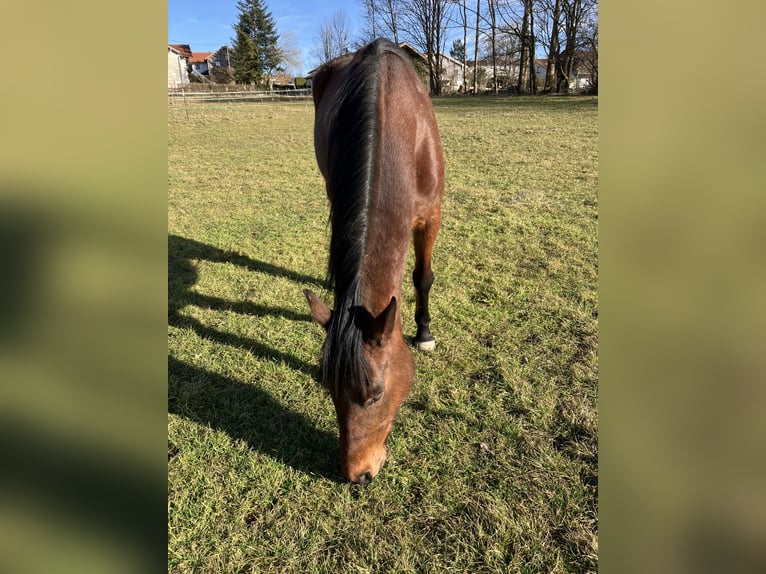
492 462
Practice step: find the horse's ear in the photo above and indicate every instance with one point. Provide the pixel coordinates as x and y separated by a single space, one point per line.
319 311
382 327
319 82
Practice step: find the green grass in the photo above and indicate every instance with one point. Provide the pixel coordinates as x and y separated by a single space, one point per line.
492 463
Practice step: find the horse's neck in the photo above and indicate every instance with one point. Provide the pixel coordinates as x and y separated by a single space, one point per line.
382 271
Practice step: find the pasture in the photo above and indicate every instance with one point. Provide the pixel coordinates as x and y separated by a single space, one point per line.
493 459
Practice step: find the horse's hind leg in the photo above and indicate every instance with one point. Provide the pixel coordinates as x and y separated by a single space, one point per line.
424 237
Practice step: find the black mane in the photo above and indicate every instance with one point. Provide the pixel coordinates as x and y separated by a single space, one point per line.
353 140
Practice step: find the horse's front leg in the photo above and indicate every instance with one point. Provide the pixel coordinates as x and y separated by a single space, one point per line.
423 277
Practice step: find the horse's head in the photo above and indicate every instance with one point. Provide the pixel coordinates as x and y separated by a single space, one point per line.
366 408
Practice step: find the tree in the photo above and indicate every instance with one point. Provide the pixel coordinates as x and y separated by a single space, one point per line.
491 4
461 54
290 55
590 54
505 48
531 48
458 50
458 53
334 38
465 41
476 50
517 19
569 31
527 79
426 25
255 54
370 25
388 11
553 44
244 54
380 18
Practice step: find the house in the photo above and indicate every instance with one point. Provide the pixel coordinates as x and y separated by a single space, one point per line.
200 62
451 74
178 66
584 72
507 72
221 58
451 69
183 49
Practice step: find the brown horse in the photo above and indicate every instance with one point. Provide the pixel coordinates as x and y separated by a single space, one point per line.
377 145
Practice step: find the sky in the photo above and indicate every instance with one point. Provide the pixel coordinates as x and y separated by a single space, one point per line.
206 25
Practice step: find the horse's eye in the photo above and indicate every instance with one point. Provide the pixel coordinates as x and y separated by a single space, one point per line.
374 399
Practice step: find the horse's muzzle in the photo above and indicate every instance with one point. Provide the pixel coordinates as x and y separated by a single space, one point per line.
364 478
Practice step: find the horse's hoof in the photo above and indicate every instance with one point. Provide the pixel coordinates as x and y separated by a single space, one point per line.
425 346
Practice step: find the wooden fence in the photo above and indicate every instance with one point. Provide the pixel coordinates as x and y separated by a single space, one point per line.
234 94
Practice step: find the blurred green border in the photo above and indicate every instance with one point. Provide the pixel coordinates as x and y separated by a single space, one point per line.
83 341
83 155
682 278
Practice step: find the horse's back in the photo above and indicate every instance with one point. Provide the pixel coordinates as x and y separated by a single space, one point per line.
406 123
409 130
378 148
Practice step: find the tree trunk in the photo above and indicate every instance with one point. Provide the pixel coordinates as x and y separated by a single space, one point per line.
493 30
438 7
476 49
391 10
572 19
524 54
531 47
465 39
553 51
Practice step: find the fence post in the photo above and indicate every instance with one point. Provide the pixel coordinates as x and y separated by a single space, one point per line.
183 92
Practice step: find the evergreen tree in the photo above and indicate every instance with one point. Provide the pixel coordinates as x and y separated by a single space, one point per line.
255 54
266 38
458 50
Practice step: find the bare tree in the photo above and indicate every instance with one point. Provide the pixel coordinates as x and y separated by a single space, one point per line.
370 24
334 38
517 18
566 29
554 10
476 50
531 48
463 13
390 9
527 81
590 52
426 25
381 18
569 29
465 39
521 32
565 61
505 48
493 31
290 55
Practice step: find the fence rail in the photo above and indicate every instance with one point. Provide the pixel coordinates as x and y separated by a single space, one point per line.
237 96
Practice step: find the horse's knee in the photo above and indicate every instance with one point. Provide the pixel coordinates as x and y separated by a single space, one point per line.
422 280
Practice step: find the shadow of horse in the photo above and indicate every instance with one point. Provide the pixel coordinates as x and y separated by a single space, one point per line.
241 410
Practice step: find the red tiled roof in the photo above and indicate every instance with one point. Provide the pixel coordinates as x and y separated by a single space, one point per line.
185 49
199 57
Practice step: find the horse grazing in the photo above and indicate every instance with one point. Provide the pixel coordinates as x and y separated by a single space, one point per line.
377 145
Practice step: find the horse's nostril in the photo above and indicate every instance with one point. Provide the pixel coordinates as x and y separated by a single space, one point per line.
365 478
